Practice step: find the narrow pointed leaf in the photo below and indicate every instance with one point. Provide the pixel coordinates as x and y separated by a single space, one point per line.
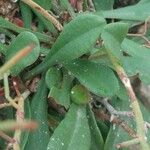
73 132
10 26
97 142
39 138
138 12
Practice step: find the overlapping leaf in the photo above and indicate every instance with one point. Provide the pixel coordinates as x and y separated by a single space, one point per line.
75 40
73 132
53 77
137 61
61 94
39 138
103 4
97 142
113 35
138 12
97 78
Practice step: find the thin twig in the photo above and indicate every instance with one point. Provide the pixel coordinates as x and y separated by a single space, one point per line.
142 35
133 100
80 6
7 92
19 118
113 111
128 143
6 104
11 125
24 95
102 115
42 11
92 7
6 137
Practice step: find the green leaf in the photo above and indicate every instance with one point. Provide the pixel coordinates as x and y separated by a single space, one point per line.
137 61
53 77
10 26
46 4
3 48
138 12
65 5
145 113
25 134
113 35
103 4
98 78
80 95
39 138
22 40
61 94
26 14
97 142
73 133
76 39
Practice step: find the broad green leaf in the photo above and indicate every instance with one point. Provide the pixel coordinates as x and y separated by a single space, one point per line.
138 12
73 132
53 77
25 134
39 139
113 35
61 94
137 61
98 78
80 95
103 4
22 40
76 39
97 142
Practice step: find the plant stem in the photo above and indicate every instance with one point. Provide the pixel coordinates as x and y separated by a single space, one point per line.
19 119
44 13
134 102
11 125
128 143
6 137
7 92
